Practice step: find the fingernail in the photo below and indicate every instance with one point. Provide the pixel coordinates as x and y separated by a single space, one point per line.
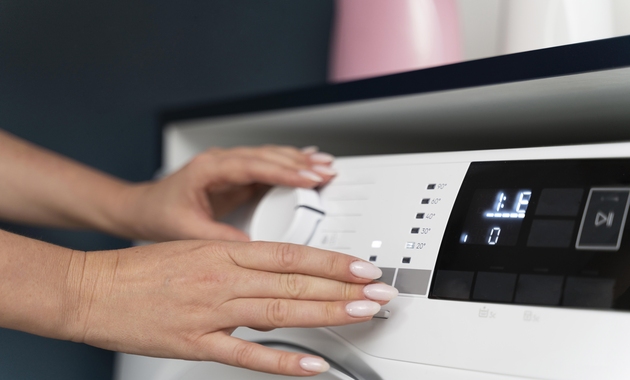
367 270
325 170
380 292
310 149
362 308
310 175
314 365
323 158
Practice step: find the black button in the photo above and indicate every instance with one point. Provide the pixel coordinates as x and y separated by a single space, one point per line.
498 287
603 219
536 289
589 292
453 284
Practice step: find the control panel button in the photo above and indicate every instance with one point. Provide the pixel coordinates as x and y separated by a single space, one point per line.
388 275
413 281
497 287
453 284
287 215
537 289
383 314
604 219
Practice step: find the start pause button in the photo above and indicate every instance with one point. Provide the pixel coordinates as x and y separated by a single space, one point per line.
603 219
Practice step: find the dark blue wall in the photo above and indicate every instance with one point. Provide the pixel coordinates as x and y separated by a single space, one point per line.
87 78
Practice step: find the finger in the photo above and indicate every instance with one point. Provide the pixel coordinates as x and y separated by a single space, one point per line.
241 353
261 313
280 155
247 171
293 258
302 287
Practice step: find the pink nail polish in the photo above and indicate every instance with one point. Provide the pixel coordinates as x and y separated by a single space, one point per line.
380 292
364 269
362 308
310 175
323 158
310 149
312 364
325 170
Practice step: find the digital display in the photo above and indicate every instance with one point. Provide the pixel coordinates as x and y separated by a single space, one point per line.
539 232
495 216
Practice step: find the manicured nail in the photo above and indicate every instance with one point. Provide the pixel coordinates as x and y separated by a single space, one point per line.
364 269
323 158
325 170
362 308
310 149
380 292
314 364
310 175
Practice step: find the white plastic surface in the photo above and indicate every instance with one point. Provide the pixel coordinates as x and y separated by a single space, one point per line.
287 215
375 199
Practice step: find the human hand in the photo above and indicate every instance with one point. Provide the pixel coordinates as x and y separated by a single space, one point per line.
183 299
188 203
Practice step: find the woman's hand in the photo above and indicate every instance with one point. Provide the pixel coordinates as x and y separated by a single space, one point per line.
184 299
188 203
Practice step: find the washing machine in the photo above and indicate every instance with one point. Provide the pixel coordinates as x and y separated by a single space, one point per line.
495 199
510 264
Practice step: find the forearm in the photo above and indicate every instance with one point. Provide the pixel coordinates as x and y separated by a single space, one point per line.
41 187
36 283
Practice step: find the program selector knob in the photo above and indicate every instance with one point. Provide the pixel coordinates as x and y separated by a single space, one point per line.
288 215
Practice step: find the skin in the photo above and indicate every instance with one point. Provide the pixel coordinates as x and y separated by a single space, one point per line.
181 298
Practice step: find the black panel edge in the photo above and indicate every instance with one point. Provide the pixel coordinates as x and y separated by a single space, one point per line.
579 58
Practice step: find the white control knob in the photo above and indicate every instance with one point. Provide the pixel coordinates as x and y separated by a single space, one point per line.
287 215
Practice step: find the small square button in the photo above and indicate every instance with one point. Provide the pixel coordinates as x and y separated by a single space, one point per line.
603 219
536 289
388 275
589 292
453 284
413 281
498 287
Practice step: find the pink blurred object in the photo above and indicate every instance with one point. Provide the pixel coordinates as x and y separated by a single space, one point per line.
379 37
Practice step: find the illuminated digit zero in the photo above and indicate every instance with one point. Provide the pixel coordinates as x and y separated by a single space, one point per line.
493 238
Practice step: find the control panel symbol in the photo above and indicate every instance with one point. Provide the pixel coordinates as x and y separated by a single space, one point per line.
528 316
484 312
603 218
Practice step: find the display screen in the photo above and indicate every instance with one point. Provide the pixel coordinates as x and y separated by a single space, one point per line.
495 216
539 232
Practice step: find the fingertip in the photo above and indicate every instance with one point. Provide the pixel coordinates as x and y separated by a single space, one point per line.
314 364
365 270
310 175
322 158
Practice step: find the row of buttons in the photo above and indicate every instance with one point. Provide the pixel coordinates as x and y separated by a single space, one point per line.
531 289
407 281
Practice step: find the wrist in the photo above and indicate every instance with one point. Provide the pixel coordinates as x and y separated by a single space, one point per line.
90 277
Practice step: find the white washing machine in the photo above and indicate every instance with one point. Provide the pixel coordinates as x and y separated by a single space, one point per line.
510 264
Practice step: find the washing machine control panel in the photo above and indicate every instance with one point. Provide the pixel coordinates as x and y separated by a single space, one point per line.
507 261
